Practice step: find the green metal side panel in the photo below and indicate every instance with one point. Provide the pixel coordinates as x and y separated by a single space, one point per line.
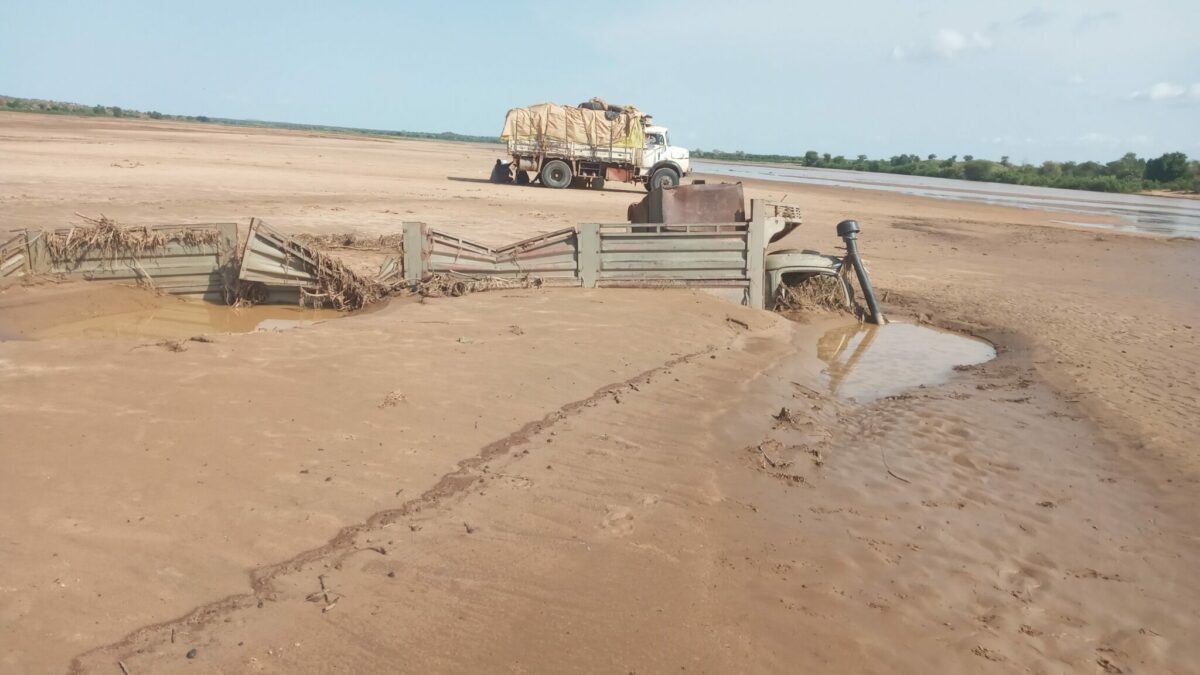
14 256
177 268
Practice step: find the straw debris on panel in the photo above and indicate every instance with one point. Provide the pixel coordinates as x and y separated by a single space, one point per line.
105 239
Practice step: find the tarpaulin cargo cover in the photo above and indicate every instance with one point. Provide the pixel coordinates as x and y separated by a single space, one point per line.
567 124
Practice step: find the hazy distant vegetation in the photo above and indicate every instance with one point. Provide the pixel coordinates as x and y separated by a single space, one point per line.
63 108
1130 173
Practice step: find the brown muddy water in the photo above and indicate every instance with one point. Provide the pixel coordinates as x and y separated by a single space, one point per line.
128 313
185 318
865 362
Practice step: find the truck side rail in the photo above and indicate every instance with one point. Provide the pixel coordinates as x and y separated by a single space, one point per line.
727 259
551 149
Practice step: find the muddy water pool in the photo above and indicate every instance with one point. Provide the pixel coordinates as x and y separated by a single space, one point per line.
866 362
108 312
186 318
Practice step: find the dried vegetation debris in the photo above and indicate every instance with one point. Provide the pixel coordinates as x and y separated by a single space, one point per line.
450 284
104 238
340 287
354 241
177 345
336 285
816 292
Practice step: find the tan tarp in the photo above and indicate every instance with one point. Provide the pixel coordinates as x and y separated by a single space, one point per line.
553 122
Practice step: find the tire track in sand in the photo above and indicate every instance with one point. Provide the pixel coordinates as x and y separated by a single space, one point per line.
451 484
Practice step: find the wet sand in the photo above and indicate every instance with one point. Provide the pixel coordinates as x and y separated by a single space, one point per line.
581 481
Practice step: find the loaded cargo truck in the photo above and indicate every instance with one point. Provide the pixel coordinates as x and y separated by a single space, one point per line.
589 144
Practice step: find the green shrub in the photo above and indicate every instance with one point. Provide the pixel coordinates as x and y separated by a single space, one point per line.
977 169
1168 168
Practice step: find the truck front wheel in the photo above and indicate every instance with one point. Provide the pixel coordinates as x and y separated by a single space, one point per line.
663 178
556 174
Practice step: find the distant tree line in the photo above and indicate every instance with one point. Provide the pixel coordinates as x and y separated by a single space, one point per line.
427 135
16 104
1130 173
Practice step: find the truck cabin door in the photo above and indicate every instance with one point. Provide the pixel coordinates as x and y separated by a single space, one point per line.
656 149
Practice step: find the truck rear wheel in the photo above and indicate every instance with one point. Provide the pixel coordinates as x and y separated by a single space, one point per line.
662 178
556 174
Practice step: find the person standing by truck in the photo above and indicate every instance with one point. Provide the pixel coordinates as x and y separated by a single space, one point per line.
502 172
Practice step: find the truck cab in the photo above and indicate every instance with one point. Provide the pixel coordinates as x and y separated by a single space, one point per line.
663 165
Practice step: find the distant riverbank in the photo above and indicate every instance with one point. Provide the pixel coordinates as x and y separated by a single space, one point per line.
1129 174
1151 214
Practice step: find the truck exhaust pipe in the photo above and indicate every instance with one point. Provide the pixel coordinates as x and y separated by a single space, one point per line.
848 230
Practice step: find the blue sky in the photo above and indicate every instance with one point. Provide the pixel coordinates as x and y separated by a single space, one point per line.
1086 79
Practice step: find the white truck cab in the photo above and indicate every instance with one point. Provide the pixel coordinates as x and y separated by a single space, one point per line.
663 165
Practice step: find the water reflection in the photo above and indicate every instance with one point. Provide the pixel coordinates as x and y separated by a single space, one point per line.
865 362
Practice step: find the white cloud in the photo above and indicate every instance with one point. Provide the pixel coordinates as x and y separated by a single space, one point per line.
1076 79
1034 18
1010 139
1090 21
947 44
1097 139
1169 92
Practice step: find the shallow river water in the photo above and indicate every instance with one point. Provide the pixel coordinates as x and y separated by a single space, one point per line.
1168 216
179 319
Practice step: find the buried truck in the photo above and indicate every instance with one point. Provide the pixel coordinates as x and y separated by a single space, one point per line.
696 236
589 144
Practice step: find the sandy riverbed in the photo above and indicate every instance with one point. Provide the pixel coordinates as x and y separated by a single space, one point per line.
583 481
